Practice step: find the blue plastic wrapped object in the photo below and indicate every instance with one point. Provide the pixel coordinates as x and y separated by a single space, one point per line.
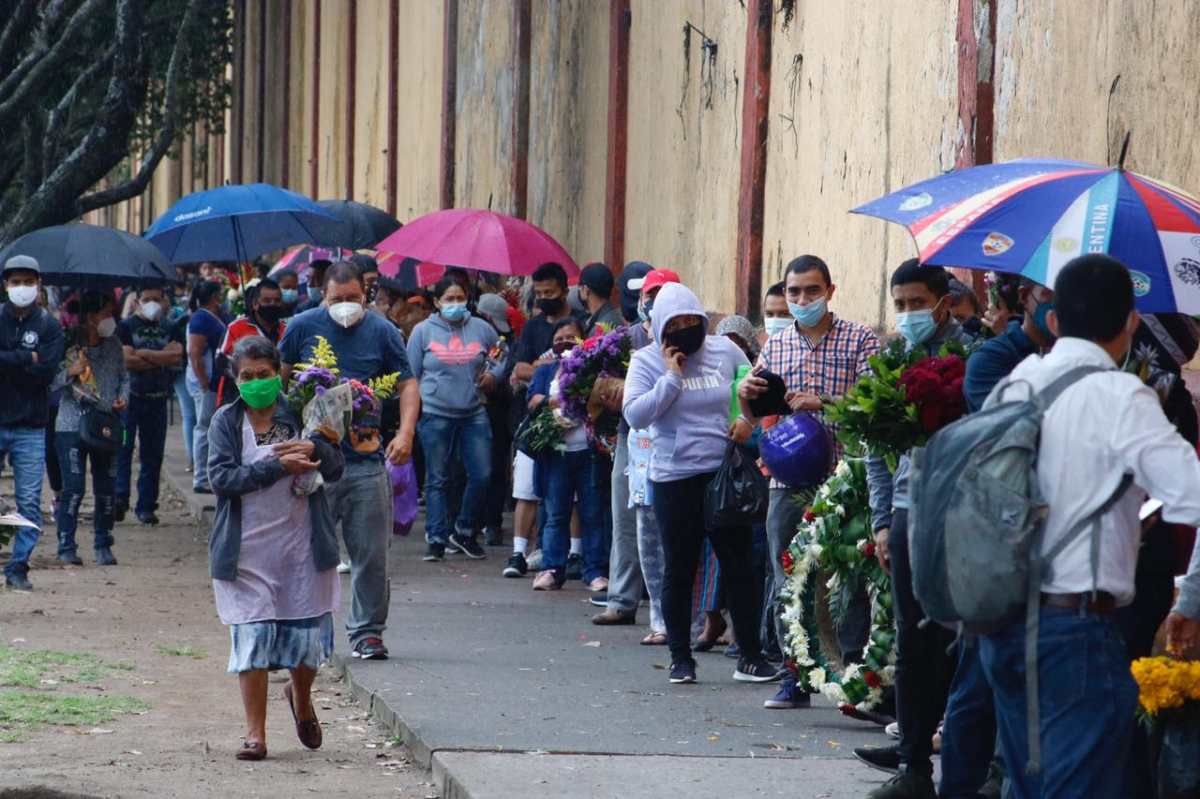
797 451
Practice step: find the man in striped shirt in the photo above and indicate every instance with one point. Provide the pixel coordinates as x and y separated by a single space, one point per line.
819 357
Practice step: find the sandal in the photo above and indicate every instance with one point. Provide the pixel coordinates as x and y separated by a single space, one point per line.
309 730
252 750
705 644
655 639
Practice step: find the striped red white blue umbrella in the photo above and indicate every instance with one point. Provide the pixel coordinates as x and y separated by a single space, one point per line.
1031 216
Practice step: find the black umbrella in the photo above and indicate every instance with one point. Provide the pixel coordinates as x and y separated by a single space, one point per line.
85 255
359 226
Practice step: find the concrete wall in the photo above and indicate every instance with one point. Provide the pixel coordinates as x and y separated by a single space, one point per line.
568 135
684 131
419 106
863 101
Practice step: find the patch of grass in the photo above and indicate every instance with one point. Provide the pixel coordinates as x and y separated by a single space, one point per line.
26 668
181 651
24 711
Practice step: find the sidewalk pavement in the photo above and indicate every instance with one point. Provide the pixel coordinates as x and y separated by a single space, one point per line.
505 692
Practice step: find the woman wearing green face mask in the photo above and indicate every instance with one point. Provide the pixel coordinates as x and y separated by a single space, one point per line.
273 555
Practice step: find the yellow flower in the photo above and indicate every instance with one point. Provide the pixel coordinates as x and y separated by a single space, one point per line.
1165 683
384 386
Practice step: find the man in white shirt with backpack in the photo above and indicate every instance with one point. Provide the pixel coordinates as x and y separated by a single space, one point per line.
1104 445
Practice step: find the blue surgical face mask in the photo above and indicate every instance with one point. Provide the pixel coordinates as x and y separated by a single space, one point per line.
776 324
917 327
1040 313
290 296
314 293
454 311
808 315
644 309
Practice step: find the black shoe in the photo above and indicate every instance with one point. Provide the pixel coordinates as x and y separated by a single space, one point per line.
148 518
574 567
516 566
733 651
70 560
18 582
104 557
119 511
201 490
758 670
883 758
906 785
434 553
370 649
683 673
466 545
599 600
493 536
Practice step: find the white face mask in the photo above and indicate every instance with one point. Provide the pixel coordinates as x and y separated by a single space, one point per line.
149 310
106 327
22 296
777 324
346 314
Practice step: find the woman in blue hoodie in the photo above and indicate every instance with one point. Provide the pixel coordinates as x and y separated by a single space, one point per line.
450 354
680 391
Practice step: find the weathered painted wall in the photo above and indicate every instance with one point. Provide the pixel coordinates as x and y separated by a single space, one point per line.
862 101
331 135
371 103
485 104
684 130
568 107
419 107
299 114
1055 84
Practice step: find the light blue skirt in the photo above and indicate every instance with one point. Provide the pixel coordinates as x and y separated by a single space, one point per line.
281 644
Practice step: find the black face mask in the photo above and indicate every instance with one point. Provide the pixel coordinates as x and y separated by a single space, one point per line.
687 340
560 347
271 314
551 307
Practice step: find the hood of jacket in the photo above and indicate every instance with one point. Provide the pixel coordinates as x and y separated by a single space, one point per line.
674 299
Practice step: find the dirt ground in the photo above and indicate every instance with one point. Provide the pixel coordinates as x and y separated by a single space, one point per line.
152 625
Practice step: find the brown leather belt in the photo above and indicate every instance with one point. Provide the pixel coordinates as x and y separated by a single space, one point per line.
1103 602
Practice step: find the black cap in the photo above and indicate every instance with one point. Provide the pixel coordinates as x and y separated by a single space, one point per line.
598 278
634 270
364 262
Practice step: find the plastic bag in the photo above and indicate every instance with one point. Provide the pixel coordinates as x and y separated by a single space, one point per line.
404 497
737 494
326 414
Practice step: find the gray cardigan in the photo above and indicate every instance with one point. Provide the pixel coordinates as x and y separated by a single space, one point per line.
230 480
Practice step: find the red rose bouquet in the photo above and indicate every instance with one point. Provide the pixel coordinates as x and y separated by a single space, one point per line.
935 386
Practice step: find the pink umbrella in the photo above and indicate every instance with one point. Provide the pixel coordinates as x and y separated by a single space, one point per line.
476 239
300 256
410 271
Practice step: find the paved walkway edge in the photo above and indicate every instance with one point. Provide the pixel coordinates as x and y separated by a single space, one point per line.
382 713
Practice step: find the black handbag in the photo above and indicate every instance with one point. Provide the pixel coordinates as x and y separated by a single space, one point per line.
738 493
101 431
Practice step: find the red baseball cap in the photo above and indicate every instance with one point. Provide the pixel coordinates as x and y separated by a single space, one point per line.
654 279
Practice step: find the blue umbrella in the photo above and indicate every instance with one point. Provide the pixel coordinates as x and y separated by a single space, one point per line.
1031 216
237 223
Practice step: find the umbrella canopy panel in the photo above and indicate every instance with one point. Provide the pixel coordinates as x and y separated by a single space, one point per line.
90 256
1030 217
237 223
476 239
359 226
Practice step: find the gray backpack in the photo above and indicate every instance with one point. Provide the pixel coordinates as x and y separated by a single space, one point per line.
975 524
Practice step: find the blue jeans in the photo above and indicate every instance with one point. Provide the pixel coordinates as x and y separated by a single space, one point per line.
145 420
470 441
25 447
1087 697
969 729
567 475
187 412
206 405
72 459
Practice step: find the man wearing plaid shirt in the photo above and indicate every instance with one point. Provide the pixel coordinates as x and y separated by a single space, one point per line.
818 357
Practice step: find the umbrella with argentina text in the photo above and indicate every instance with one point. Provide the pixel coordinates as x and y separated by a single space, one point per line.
1031 216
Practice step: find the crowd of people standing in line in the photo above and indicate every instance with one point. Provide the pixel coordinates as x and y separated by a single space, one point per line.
472 359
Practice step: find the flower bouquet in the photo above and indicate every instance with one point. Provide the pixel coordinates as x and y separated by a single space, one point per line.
1169 704
540 433
835 538
900 402
591 366
366 411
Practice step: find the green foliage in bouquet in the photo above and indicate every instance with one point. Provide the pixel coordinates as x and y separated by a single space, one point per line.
541 433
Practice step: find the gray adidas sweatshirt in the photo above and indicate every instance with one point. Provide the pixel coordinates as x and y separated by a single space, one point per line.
447 359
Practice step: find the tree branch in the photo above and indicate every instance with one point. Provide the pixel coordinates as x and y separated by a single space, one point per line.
54 127
105 144
19 21
166 134
32 136
38 68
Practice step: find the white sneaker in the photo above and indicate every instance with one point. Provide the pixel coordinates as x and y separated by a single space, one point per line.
534 560
893 730
344 567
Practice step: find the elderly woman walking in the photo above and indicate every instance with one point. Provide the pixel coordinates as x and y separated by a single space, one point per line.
273 555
